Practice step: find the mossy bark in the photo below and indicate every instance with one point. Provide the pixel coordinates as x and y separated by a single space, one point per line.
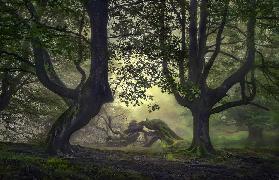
201 143
161 131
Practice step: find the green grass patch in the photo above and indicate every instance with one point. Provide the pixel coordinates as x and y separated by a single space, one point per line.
22 166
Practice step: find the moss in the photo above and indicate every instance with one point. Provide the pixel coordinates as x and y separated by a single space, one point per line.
18 166
110 174
166 134
57 163
170 157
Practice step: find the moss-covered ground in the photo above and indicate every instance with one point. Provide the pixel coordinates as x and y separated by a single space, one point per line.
23 161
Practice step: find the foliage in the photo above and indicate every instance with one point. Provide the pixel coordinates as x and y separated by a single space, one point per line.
30 114
250 116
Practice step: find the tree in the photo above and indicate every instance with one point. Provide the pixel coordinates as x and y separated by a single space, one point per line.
107 125
151 39
88 97
30 114
253 118
152 130
189 63
16 55
95 91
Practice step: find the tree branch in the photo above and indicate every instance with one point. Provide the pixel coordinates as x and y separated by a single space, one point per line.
202 33
221 91
182 101
18 57
182 59
193 46
245 100
80 53
227 54
218 41
41 57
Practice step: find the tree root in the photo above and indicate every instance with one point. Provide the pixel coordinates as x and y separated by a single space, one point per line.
201 151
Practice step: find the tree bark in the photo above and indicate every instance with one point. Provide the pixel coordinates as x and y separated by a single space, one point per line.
94 93
73 119
201 142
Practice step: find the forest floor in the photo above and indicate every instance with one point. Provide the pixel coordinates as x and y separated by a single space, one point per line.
24 161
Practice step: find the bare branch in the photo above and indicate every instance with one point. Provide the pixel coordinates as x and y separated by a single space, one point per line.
80 53
193 46
218 44
18 57
227 54
41 57
182 59
245 100
202 32
248 64
182 101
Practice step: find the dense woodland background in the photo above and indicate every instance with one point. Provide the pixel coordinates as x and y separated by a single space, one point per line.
86 72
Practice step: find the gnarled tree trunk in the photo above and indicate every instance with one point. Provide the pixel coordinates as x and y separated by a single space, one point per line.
201 142
95 91
205 100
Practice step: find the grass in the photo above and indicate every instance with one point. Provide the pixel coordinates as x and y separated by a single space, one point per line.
232 150
22 166
156 149
233 140
239 140
222 143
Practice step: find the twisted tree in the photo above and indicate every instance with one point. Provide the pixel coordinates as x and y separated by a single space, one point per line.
186 43
86 100
151 129
89 98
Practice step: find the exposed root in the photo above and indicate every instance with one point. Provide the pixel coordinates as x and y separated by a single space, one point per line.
201 151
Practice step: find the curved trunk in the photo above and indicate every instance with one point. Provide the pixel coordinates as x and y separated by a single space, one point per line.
95 91
59 135
92 97
73 119
201 142
255 133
